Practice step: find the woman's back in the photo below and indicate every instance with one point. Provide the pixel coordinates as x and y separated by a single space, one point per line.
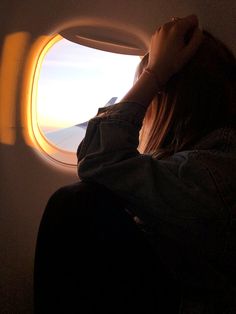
182 181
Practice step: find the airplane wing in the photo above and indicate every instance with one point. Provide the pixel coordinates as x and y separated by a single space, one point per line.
109 103
69 138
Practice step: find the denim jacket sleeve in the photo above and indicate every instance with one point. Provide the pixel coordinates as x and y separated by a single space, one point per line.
174 189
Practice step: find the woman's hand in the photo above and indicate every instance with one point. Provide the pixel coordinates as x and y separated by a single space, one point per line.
172 46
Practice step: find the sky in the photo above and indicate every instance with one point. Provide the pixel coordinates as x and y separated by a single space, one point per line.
76 80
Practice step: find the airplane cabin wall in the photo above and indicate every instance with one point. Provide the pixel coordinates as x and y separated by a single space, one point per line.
27 177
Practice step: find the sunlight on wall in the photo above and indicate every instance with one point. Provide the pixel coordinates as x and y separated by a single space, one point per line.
14 50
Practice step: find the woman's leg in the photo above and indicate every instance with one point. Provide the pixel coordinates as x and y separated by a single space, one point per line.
92 258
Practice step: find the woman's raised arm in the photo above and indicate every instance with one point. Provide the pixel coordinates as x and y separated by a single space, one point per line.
172 46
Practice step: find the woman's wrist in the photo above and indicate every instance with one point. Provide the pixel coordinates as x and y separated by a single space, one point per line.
144 89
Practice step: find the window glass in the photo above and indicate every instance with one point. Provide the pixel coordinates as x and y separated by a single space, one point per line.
73 83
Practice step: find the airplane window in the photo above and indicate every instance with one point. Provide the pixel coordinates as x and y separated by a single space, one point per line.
74 82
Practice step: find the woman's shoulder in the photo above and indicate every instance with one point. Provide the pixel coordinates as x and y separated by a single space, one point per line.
216 153
218 144
220 140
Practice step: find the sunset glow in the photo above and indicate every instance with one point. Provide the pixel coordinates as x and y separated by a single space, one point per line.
76 80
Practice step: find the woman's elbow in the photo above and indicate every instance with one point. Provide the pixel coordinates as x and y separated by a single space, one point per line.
81 170
86 169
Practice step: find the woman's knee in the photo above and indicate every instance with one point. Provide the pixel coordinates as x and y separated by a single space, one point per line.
70 192
79 191
82 199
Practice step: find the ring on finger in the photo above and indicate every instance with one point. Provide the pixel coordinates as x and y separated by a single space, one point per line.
174 19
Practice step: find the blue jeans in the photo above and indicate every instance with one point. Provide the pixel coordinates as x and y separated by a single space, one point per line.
91 257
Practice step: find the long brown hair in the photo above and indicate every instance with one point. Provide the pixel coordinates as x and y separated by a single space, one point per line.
195 101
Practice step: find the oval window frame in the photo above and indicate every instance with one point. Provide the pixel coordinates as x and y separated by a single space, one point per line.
44 146
53 152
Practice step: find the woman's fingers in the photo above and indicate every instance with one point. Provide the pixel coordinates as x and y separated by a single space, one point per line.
191 37
187 23
193 44
173 45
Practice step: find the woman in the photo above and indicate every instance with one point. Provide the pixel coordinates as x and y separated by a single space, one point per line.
151 227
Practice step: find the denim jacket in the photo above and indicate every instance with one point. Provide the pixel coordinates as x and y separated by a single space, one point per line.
187 201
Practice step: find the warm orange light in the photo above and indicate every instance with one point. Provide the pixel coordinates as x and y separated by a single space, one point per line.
14 50
29 91
32 133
